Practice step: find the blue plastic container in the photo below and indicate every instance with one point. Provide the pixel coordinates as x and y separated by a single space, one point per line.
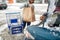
14 21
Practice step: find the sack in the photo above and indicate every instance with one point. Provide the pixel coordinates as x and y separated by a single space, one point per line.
28 14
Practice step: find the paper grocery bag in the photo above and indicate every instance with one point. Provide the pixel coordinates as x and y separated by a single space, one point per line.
28 14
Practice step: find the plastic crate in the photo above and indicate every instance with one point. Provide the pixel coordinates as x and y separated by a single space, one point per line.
14 21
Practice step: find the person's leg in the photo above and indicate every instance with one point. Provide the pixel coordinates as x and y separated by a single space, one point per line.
27 34
24 24
28 23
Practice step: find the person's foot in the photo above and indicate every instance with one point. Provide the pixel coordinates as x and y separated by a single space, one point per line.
27 35
51 25
57 25
54 25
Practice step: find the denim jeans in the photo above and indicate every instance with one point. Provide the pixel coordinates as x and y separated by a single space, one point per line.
24 24
42 33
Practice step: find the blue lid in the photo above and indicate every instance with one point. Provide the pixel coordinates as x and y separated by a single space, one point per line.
14 20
